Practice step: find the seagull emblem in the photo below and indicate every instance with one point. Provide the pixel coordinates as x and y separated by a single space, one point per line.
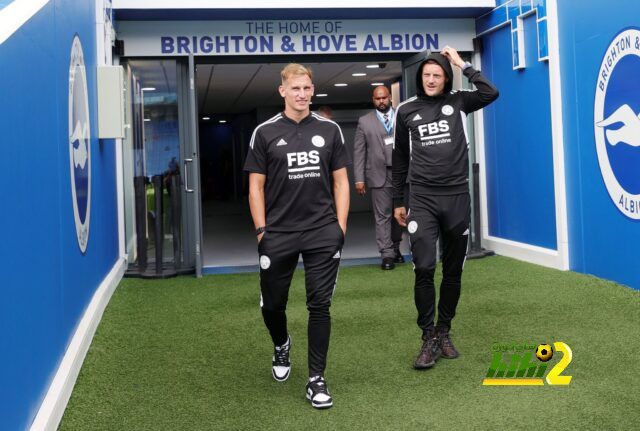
629 132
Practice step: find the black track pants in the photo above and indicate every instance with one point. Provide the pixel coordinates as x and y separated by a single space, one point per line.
321 251
429 217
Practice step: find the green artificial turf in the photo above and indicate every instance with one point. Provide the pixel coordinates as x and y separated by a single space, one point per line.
193 354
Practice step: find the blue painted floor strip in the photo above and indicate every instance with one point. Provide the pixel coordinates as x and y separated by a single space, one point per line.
208 270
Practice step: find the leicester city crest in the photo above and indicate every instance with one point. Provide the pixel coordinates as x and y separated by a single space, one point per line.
616 116
79 144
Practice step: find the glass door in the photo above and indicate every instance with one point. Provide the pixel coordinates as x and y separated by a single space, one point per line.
158 158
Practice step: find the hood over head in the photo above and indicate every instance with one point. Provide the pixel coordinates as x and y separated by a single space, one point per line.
444 63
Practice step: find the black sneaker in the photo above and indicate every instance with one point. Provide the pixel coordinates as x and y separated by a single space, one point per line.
318 393
429 352
280 364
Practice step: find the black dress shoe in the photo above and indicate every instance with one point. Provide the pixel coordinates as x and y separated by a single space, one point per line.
398 257
387 263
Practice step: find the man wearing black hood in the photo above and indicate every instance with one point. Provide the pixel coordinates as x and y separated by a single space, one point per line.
431 145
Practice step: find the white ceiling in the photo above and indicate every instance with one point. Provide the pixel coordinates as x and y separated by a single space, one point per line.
240 88
227 89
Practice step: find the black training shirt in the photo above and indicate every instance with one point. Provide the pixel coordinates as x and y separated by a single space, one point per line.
431 144
298 160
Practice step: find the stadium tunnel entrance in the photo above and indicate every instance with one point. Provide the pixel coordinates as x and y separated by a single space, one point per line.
191 120
203 80
232 99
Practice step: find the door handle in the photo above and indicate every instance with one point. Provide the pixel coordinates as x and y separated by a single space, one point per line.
186 176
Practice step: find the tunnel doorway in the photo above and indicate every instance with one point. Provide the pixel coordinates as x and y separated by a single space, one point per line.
232 100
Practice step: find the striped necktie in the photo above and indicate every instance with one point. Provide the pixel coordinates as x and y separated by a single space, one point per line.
386 120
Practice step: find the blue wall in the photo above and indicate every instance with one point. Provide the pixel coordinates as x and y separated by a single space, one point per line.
602 240
47 282
518 146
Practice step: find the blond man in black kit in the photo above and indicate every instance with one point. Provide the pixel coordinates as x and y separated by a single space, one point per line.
299 200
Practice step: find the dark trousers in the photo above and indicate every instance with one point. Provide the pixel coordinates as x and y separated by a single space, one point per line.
431 216
321 251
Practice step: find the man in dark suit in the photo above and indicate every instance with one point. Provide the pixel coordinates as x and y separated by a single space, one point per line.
372 151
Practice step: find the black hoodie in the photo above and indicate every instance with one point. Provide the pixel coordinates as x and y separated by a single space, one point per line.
430 135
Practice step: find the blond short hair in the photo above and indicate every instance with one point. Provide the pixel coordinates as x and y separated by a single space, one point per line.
295 69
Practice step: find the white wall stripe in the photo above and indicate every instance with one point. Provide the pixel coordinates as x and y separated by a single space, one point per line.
526 252
557 133
15 14
122 247
480 158
59 392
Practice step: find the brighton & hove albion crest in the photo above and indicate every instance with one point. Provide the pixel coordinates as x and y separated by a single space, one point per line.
79 144
616 115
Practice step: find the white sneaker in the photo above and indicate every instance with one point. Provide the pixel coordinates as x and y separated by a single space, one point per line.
280 364
318 393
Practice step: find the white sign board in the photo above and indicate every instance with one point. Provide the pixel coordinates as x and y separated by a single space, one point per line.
177 38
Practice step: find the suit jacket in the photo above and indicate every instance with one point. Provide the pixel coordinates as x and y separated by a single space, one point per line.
370 154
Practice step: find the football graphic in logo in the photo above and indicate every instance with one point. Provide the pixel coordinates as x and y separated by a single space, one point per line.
544 352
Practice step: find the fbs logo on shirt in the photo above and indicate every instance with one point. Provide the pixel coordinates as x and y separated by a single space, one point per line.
437 130
301 162
433 128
